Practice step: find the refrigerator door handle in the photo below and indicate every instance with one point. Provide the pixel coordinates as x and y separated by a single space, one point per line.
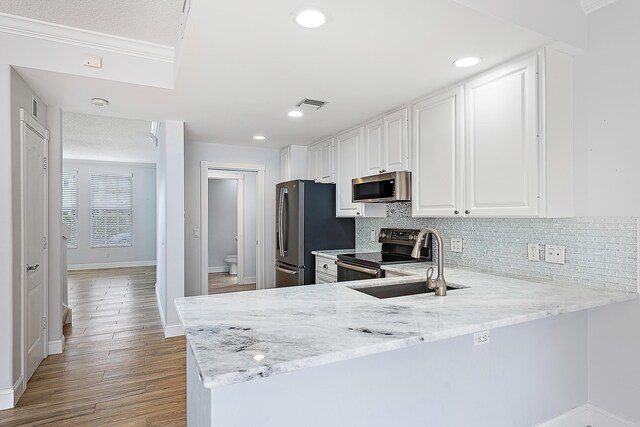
284 270
283 191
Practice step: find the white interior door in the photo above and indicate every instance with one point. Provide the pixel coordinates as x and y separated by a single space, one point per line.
34 195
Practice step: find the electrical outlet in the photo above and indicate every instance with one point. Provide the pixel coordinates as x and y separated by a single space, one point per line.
93 61
534 251
481 337
456 245
107 254
374 236
554 254
196 233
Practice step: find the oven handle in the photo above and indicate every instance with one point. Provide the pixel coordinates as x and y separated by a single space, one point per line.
364 270
284 270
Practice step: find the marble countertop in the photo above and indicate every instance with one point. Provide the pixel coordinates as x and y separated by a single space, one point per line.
333 254
250 335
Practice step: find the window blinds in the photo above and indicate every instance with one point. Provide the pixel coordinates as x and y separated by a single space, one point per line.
110 210
70 206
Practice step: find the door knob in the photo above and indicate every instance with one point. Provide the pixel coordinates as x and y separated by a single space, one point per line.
32 267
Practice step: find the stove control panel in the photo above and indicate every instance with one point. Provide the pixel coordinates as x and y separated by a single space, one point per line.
400 236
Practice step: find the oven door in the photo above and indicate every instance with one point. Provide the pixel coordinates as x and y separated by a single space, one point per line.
348 272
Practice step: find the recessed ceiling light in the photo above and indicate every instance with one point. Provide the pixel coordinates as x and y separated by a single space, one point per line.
258 357
100 102
259 137
311 19
466 62
295 113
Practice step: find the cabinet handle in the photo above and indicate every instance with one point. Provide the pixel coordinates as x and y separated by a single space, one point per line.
467 211
357 213
325 266
456 212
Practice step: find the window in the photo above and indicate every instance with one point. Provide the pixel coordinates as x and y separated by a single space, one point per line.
110 210
70 206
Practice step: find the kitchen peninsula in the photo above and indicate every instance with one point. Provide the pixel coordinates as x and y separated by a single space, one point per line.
330 355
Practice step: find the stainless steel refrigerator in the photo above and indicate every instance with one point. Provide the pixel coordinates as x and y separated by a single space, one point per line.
306 221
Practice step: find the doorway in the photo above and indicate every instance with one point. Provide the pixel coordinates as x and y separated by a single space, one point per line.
34 140
232 227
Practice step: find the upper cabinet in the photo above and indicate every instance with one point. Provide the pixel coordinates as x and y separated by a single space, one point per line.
499 145
321 161
386 143
348 166
293 163
438 155
502 142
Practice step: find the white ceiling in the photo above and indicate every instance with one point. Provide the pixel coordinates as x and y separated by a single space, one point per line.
156 21
90 137
246 63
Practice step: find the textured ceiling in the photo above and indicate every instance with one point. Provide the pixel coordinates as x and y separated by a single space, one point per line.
91 137
156 21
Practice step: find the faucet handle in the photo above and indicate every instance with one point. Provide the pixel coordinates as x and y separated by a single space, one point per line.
429 273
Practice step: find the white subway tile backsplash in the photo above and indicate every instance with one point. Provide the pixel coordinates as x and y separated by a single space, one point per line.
600 251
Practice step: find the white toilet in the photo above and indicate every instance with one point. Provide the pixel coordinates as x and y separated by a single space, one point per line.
232 260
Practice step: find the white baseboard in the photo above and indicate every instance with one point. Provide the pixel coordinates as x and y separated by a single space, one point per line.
57 346
586 415
224 269
10 396
98 266
173 331
248 279
162 318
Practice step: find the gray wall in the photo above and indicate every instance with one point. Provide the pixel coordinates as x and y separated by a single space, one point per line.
21 95
195 152
607 178
143 239
223 221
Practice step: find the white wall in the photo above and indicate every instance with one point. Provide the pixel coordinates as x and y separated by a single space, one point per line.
606 179
223 221
195 152
171 202
143 238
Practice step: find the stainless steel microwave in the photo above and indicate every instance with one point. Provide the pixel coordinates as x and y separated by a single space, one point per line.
383 188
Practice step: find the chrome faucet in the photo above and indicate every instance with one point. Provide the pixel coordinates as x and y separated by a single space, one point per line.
439 284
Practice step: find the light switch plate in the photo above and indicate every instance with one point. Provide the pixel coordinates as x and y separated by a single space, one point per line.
533 250
554 254
456 245
374 236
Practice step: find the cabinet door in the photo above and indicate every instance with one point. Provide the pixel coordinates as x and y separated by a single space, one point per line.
284 165
325 161
372 148
396 141
312 163
501 142
438 176
347 167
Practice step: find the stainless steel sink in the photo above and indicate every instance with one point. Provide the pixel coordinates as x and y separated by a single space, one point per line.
401 290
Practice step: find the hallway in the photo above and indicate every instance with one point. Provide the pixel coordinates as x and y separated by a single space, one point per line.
117 367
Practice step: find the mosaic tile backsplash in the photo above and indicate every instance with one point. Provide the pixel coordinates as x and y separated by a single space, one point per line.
600 251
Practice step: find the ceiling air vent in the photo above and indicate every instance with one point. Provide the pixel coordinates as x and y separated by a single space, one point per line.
310 104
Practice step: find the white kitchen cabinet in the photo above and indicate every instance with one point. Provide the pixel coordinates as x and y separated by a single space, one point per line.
499 145
386 143
438 154
502 142
396 141
293 163
326 270
348 167
320 161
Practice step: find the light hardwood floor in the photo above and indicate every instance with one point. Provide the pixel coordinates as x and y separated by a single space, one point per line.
117 368
220 283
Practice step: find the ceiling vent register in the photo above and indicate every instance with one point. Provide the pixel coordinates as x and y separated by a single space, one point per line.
311 104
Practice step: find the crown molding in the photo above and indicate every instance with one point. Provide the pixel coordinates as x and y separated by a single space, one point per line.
592 5
33 28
